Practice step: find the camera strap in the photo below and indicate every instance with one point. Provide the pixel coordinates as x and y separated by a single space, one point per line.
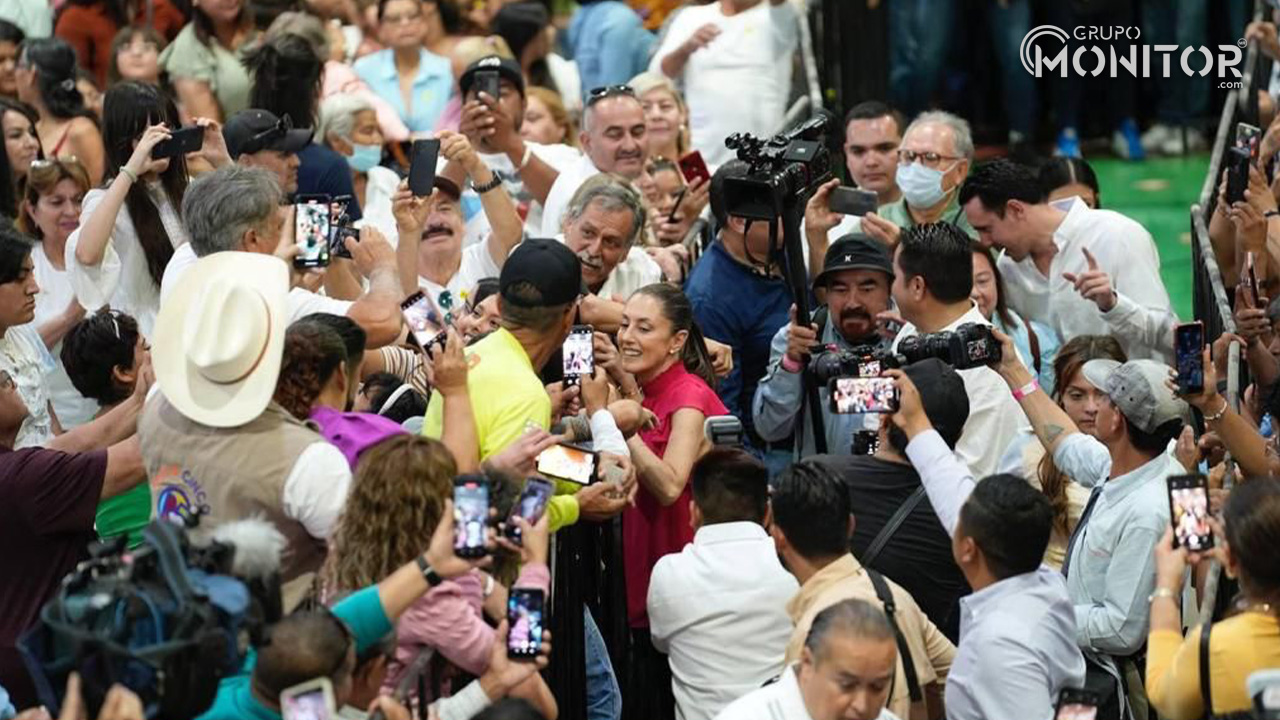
885 596
890 528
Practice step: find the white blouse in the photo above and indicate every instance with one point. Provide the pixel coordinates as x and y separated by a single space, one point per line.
55 295
24 357
121 280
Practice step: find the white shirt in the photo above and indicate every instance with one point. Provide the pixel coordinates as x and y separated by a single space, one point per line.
477 263
1017 636
560 157
316 489
718 610
780 701
380 186
24 356
72 408
302 302
122 280
1142 319
33 17
570 179
995 418
741 82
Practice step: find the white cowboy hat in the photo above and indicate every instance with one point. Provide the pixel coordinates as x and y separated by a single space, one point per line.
219 338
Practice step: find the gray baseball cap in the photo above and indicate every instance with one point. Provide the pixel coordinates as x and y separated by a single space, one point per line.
1139 389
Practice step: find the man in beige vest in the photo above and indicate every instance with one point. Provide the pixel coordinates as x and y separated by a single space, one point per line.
213 441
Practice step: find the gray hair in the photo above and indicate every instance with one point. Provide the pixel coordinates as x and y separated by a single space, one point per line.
959 129
338 115
857 618
221 206
614 193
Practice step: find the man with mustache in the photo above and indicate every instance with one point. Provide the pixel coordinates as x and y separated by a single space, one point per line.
603 222
856 276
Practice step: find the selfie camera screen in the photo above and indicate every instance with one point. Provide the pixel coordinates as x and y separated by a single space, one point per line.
567 463
865 395
1191 517
1190 370
307 706
524 612
312 231
579 355
472 505
423 321
1077 711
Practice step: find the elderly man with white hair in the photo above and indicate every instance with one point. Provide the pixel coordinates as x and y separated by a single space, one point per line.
933 161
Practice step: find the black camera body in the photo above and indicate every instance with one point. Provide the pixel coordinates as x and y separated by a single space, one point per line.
861 361
971 345
790 164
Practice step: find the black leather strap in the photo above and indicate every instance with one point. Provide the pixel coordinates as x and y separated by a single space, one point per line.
890 607
891 527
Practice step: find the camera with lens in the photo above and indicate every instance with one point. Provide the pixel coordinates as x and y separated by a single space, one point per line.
863 361
969 346
789 165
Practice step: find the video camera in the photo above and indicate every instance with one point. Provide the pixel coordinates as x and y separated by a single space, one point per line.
788 165
969 346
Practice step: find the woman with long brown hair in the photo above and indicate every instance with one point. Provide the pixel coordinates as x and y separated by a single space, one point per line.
393 507
1026 456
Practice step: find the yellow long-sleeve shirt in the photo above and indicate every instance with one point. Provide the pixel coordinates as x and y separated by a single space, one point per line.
1237 647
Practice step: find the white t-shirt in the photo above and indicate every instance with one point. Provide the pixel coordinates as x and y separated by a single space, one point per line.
780 701
381 184
302 302
741 81
571 178
24 356
55 295
477 264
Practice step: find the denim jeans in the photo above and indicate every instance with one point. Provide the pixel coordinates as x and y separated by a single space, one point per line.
1009 24
919 35
1181 100
604 699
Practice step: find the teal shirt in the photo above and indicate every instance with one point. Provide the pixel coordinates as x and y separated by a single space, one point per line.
896 212
362 612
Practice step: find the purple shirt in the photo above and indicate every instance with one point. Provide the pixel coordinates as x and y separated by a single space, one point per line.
353 432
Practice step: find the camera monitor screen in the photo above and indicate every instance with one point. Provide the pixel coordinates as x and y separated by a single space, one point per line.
863 395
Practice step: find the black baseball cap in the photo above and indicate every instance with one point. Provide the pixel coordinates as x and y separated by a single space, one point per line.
547 265
506 67
942 393
251 131
854 251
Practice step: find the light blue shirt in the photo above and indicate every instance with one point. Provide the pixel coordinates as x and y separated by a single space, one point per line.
1049 344
1113 568
1018 645
431 87
609 43
777 401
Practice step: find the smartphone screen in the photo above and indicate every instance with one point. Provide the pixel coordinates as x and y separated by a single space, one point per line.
1188 347
579 354
853 201
524 618
1237 174
422 166
487 83
1251 277
863 395
1189 512
423 320
470 515
530 506
1077 704
311 232
692 166
312 700
181 141
1249 137
567 462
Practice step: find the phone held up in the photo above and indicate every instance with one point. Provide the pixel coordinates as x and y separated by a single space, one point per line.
1188 347
693 167
525 623
311 222
579 354
182 141
853 201
568 462
863 395
426 329
470 515
532 503
311 700
487 83
1077 704
422 166
1189 512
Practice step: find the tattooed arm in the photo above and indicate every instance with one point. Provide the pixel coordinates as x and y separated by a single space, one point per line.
1050 422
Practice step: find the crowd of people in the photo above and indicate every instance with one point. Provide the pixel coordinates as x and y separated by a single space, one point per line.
224 295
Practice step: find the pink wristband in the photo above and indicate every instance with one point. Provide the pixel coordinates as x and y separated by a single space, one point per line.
790 365
1027 389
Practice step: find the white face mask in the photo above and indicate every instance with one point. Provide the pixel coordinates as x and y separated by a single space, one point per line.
921 185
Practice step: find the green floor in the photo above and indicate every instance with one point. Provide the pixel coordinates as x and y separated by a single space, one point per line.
1158 193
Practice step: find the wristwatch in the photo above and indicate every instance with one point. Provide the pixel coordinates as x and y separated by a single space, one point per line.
428 573
491 185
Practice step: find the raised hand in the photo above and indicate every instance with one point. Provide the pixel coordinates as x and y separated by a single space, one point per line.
1094 284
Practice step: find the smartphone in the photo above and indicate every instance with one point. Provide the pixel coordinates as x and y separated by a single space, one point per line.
863 395
1251 280
426 329
524 620
311 232
422 166
1249 137
724 430
530 506
1237 174
180 142
568 462
1189 512
340 227
1188 351
487 83
671 217
853 201
1075 704
579 354
692 166
311 700
470 515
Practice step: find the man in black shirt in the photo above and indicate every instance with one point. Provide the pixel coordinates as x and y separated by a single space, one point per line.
917 555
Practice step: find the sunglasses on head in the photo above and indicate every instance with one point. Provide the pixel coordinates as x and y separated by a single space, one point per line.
595 95
266 137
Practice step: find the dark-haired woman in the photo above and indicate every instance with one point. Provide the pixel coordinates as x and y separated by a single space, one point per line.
1036 342
21 148
11 37
1064 177
1238 646
204 60
659 343
46 79
129 229
90 26
135 55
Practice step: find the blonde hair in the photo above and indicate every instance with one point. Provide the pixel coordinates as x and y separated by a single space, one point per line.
41 179
647 82
555 106
470 49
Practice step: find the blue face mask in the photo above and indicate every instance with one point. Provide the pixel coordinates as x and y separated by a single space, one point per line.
364 157
920 185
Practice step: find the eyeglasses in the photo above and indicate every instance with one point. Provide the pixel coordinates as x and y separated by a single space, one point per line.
929 158
595 95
